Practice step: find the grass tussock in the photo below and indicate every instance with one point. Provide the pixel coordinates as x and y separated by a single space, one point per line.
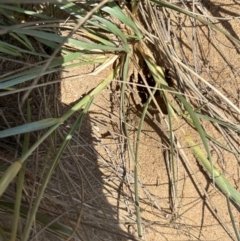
76 172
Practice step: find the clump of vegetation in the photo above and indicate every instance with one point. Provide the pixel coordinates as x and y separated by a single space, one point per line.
155 53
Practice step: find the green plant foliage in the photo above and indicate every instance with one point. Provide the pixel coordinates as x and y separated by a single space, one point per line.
47 33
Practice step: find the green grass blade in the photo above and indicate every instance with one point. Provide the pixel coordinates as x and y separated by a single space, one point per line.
8 15
20 182
35 72
9 175
23 40
232 219
97 37
216 121
115 11
16 51
144 112
115 30
197 125
222 183
72 42
29 127
220 122
125 130
78 12
222 145
55 63
9 49
24 11
123 91
25 78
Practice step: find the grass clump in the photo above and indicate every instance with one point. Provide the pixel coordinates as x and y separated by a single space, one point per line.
50 184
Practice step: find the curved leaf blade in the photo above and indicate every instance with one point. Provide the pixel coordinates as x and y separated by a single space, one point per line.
29 127
224 185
